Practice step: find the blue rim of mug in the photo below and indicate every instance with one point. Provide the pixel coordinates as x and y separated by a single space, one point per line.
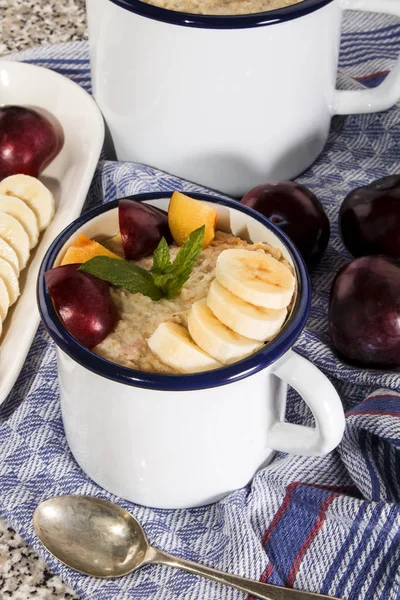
270 353
173 17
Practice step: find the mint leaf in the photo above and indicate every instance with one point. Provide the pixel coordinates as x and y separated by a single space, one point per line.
123 274
184 262
161 280
161 258
164 280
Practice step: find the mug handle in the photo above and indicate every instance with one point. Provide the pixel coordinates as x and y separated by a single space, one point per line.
385 95
323 400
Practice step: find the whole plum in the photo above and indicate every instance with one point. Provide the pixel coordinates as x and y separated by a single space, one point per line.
295 210
364 312
29 141
369 218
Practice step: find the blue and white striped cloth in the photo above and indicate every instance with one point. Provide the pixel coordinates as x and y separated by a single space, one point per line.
329 524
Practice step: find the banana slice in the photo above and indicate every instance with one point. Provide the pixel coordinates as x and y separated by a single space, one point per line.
172 344
9 254
34 193
4 301
256 277
15 235
253 322
215 338
25 215
7 274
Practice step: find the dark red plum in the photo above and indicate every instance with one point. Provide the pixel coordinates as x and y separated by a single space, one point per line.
142 226
297 211
29 141
364 312
369 218
83 302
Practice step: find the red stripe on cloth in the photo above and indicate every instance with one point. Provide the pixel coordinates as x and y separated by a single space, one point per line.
274 523
371 76
288 498
264 578
336 491
372 412
309 539
281 511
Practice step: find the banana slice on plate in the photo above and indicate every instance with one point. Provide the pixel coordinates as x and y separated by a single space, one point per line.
4 301
15 235
19 210
172 344
256 277
9 254
34 193
7 274
217 339
251 321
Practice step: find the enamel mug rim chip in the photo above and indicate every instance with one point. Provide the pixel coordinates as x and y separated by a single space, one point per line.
268 355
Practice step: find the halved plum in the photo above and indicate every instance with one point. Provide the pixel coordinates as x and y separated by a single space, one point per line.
83 302
142 226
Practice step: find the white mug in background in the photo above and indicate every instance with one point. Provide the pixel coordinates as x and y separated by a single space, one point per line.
178 441
229 102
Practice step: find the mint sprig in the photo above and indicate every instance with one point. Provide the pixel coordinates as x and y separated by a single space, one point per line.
123 274
165 278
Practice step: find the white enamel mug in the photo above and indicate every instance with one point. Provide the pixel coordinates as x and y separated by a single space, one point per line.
228 102
176 441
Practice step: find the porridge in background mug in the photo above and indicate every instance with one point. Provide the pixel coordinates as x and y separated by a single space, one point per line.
221 7
176 441
227 101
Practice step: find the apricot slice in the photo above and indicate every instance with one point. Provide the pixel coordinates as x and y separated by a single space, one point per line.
186 214
83 249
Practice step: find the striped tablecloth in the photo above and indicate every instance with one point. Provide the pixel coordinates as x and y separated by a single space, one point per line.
327 524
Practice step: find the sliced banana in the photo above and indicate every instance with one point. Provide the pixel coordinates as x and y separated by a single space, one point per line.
7 274
251 321
15 235
172 344
256 277
4 301
215 338
19 210
34 193
9 254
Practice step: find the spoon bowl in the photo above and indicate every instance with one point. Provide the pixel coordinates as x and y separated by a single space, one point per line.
91 535
99 538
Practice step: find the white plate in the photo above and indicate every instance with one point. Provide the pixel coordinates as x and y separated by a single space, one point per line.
68 177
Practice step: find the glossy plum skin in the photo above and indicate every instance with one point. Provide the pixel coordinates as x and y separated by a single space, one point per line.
83 302
142 226
364 312
28 141
297 211
369 218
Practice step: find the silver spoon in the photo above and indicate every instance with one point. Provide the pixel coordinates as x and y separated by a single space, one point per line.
99 538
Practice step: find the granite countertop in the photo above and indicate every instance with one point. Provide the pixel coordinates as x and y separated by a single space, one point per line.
23 24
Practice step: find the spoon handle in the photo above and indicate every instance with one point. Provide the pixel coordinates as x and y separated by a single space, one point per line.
263 591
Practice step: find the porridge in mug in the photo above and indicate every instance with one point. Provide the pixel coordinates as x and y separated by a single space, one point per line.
222 7
206 300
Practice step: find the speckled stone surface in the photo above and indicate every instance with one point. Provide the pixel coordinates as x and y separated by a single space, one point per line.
24 24
23 575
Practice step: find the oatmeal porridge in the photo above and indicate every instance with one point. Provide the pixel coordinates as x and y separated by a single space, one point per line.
140 316
170 293
221 7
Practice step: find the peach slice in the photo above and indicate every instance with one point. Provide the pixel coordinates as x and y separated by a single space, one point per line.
83 249
186 214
